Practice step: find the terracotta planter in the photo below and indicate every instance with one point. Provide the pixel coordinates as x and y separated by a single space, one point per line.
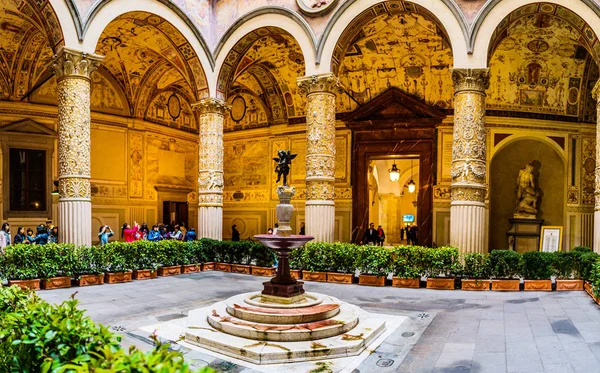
169 271
505 285
25 284
264 271
223 267
589 289
371 280
474 285
413 283
89 280
567 285
538 285
314 276
296 273
440 283
56 283
117 277
239 268
144 274
587 286
191 268
340 278
208 266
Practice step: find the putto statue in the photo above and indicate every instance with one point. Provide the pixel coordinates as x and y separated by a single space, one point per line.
283 165
527 195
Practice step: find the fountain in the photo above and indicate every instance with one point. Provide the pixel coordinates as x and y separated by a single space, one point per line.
283 323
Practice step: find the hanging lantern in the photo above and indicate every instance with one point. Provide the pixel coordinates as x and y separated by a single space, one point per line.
412 186
394 173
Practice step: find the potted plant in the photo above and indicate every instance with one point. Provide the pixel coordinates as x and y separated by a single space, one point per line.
314 260
441 264
476 272
566 270
241 256
205 252
21 266
191 262
89 265
143 255
340 260
295 259
374 264
170 256
505 268
118 264
537 270
56 265
263 258
223 256
407 266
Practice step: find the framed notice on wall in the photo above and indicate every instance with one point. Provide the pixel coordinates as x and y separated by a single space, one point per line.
551 239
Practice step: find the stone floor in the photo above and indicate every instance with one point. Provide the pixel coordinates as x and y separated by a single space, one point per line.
450 331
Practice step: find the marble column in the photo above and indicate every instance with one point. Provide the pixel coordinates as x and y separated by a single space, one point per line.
320 155
72 70
467 208
210 168
596 242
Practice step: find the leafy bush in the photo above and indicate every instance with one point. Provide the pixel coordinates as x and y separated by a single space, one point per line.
171 253
314 257
586 263
476 266
340 257
505 264
205 250
442 261
582 249
594 278
537 265
373 260
22 262
407 261
88 260
144 254
295 258
117 257
262 255
566 264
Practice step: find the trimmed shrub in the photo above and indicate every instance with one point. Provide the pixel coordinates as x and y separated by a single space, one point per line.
505 264
340 257
586 263
295 258
407 261
144 254
373 260
442 261
566 264
476 266
537 265
315 257
88 260
23 262
117 257
261 255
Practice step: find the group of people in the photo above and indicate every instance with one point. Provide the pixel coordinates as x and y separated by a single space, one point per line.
374 236
43 235
158 232
411 232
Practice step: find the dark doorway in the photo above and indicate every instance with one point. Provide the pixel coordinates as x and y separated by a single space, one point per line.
175 211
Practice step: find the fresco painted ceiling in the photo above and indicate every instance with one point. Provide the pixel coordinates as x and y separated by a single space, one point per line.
543 60
29 33
265 64
393 44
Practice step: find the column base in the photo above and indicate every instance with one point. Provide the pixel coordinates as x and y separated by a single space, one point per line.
467 227
210 222
320 221
75 222
596 247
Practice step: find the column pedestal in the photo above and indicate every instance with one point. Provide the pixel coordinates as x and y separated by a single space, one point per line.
320 220
596 96
210 222
75 222
466 225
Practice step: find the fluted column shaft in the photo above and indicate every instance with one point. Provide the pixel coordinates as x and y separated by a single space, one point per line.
596 244
467 209
210 168
320 155
73 69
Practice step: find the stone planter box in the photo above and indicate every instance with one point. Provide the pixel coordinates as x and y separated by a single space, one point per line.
191 268
474 285
413 283
56 283
505 285
208 266
89 280
25 284
314 276
264 271
117 277
440 283
223 267
169 271
587 286
371 280
240 268
538 285
588 289
340 278
567 285
296 273
144 274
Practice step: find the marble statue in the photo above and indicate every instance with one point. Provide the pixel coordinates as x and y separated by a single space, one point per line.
527 195
283 165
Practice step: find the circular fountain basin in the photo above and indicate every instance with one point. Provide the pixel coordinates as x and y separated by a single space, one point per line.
283 242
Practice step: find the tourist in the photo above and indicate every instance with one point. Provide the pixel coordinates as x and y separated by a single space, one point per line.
41 238
275 229
143 233
235 234
183 229
371 236
129 233
176 235
105 234
4 236
53 237
20 237
30 235
190 235
302 229
270 231
402 234
154 235
380 236
162 230
413 235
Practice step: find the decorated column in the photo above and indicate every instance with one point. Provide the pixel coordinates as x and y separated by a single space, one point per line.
320 155
596 95
210 168
467 209
72 70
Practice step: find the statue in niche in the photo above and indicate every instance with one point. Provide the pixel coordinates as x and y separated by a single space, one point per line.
527 195
283 165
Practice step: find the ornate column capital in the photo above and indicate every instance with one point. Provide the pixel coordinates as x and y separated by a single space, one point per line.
470 80
71 63
596 92
323 83
211 105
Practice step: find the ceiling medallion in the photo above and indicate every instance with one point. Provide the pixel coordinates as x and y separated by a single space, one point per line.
315 7
238 109
174 106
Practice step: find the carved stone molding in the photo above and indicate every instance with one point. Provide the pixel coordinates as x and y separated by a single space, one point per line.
212 106
323 83
596 92
471 80
71 63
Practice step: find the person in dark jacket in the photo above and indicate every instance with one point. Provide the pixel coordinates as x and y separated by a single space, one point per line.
20 237
53 235
154 235
190 235
302 229
371 235
380 236
235 234
41 238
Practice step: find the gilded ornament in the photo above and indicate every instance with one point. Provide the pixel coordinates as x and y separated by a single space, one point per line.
324 83
70 63
211 105
471 80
